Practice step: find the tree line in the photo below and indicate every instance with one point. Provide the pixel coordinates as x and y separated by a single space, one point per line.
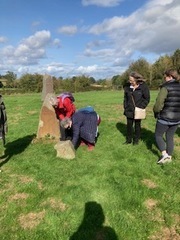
153 73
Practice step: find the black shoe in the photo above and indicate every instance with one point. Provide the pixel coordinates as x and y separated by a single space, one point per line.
135 142
127 142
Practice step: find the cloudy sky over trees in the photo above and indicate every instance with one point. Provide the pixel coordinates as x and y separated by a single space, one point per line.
98 38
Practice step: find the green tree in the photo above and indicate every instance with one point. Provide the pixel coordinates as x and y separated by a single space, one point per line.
11 77
31 82
176 60
158 69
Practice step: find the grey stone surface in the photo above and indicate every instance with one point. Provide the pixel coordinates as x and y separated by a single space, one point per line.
48 123
47 86
65 149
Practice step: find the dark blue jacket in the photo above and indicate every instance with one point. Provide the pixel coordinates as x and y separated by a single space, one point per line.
84 125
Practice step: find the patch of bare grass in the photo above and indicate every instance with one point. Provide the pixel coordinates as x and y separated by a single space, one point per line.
55 204
18 196
31 220
149 183
166 234
150 203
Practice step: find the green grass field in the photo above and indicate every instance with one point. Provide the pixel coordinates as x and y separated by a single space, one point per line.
115 192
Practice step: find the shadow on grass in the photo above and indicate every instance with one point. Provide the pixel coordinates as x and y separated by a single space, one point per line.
92 225
178 131
147 136
16 147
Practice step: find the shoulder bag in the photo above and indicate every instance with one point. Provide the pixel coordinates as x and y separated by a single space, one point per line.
139 113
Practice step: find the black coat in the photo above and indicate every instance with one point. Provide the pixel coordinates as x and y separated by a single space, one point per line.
3 119
141 96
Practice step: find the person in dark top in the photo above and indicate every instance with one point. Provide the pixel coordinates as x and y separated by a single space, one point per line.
3 120
167 112
136 90
84 125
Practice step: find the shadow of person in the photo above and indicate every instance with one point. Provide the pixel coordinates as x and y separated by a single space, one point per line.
147 136
15 147
92 227
121 127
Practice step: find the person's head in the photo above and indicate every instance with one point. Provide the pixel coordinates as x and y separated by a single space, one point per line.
135 78
53 101
171 74
66 122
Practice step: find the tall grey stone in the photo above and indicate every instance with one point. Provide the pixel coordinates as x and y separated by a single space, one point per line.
48 122
47 86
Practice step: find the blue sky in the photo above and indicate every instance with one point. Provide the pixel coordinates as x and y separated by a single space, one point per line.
97 38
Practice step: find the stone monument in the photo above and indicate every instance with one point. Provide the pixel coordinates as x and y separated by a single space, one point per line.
48 123
65 150
47 86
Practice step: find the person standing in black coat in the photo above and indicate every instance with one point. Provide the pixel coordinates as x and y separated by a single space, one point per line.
138 91
167 112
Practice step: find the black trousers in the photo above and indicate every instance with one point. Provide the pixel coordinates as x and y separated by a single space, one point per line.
133 130
65 134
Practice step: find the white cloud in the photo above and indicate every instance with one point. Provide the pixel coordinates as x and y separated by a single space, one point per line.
101 3
115 42
29 51
3 39
150 30
56 42
69 30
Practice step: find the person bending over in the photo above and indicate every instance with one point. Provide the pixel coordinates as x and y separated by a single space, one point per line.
84 125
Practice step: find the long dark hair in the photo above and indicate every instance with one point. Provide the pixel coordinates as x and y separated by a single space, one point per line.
138 77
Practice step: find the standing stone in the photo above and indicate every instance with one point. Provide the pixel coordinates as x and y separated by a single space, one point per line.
48 123
65 149
47 86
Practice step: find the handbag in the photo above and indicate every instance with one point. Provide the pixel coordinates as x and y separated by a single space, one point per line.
139 113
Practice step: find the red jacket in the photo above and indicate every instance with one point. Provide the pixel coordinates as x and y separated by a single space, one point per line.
65 108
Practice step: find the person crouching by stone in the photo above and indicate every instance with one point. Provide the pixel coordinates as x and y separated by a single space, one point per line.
64 108
84 127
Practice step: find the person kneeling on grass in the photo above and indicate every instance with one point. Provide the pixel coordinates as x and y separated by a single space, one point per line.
84 125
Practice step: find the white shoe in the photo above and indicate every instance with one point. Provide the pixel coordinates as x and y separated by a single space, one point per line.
164 159
167 160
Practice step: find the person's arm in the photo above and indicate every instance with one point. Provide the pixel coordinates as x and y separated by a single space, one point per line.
146 97
76 132
159 104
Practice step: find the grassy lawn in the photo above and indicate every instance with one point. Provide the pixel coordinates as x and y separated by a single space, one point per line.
115 192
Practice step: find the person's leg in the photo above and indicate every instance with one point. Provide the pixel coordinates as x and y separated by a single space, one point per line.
161 144
62 133
90 146
159 132
129 130
68 134
83 142
170 139
137 134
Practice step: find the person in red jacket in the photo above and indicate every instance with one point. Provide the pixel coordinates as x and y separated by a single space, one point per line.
64 107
